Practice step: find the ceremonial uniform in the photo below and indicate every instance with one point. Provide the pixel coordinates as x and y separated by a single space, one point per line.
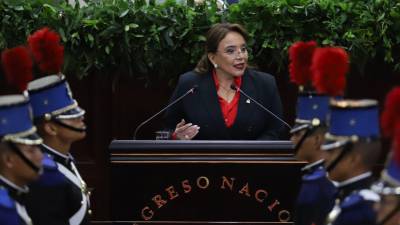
16 129
60 196
353 123
316 196
355 202
317 193
12 204
61 187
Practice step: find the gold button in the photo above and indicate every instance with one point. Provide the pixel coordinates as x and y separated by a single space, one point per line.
89 212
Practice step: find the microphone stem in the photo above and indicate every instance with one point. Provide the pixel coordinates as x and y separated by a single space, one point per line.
162 110
271 113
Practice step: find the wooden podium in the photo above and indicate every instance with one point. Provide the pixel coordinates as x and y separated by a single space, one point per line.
203 182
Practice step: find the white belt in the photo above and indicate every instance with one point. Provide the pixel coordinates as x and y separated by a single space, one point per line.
23 214
77 218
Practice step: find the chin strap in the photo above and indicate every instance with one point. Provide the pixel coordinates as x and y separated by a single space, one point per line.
15 148
346 148
391 214
68 126
309 131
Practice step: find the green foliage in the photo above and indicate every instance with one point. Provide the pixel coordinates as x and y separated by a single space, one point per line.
368 29
152 41
116 36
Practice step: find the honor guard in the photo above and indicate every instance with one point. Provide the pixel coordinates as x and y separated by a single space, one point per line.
388 209
352 148
317 194
60 196
20 155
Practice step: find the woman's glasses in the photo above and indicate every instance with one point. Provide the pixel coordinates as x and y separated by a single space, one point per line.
234 52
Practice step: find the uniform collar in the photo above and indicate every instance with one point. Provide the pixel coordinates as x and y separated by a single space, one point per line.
58 157
16 192
359 182
311 167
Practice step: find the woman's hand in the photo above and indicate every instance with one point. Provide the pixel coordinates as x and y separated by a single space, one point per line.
186 131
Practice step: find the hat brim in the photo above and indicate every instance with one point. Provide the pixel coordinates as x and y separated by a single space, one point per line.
71 114
332 144
30 139
298 128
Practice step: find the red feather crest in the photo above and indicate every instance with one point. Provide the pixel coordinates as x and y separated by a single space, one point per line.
390 120
17 65
329 68
47 50
300 56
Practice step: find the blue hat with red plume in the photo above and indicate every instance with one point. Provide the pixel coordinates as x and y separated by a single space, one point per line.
51 96
15 111
307 67
352 121
349 120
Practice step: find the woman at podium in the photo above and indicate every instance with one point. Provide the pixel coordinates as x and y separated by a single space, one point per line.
223 99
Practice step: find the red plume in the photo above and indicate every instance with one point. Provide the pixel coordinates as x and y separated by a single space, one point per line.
17 65
390 119
300 56
329 68
47 50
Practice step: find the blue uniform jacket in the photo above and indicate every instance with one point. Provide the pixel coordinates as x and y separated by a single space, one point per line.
316 197
53 199
355 203
8 210
9 197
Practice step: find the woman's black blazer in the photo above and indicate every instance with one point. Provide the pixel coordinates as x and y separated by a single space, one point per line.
202 108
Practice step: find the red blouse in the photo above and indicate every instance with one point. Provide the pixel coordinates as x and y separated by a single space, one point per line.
229 109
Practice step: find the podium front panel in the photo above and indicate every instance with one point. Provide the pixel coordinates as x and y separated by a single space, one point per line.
203 181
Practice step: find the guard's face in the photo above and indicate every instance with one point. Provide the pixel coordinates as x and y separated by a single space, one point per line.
340 171
69 135
231 56
309 149
305 146
386 206
22 171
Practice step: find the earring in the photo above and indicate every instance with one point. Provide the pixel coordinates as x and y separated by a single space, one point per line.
215 66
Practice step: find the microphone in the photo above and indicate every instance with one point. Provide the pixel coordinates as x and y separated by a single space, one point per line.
233 87
190 91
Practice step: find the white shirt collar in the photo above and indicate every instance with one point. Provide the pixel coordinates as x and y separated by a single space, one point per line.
310 165
56 152
23 189
355 179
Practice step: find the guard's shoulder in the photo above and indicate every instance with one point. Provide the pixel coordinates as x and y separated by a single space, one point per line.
51 176
5 200
315 175
48 162
369 195
359 198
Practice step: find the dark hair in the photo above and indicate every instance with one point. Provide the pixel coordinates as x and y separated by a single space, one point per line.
214 37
